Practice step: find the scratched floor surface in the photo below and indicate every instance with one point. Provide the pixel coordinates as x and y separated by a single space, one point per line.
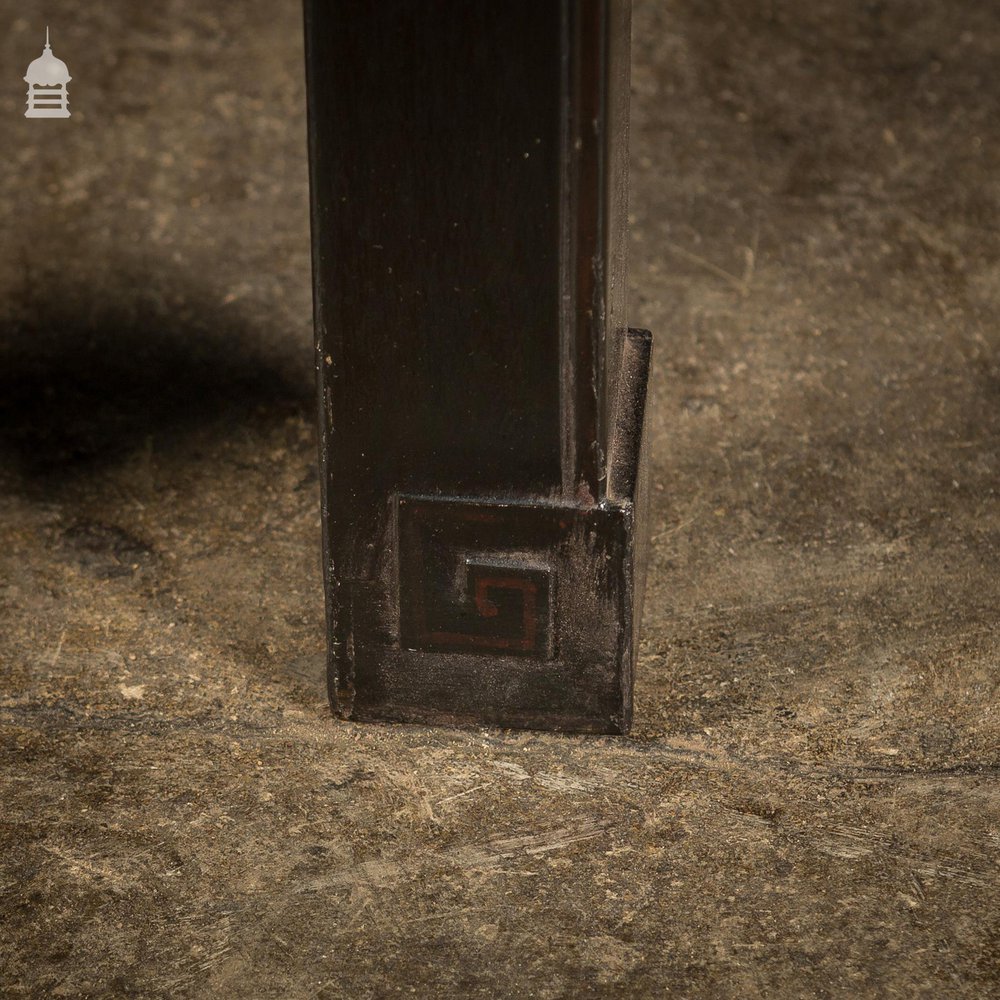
810 804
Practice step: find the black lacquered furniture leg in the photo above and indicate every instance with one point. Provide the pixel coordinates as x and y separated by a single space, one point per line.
481 396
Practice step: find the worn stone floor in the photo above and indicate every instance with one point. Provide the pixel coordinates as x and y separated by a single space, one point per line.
809 806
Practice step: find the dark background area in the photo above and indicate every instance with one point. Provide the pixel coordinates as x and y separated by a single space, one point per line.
809 806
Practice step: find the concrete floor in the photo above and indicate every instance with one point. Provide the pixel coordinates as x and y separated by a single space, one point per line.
810 804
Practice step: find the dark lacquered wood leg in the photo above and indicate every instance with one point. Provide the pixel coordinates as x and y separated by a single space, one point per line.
481 396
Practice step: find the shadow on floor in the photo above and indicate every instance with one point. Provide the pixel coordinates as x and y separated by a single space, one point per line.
91 372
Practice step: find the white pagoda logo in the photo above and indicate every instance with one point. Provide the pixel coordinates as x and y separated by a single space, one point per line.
47 78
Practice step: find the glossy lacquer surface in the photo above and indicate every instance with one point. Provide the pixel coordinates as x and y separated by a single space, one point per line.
467 202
